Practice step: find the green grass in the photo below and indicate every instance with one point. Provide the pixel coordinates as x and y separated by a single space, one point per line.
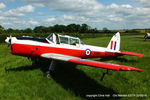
22 81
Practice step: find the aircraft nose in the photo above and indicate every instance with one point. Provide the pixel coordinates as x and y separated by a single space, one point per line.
7 40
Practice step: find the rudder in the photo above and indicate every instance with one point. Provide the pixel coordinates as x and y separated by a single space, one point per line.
114 43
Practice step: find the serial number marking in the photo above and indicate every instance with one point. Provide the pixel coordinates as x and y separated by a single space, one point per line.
97 53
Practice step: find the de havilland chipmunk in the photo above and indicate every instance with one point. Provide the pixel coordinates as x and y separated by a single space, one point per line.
69 49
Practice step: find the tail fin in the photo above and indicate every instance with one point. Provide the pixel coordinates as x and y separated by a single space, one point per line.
114 43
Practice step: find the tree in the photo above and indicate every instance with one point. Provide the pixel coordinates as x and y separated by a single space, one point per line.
71 28
105 30
77 28
93 30
40 29
84 28
58 28
27 30
1 29
10 30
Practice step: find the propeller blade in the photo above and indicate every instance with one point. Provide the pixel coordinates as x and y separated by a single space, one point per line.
9 40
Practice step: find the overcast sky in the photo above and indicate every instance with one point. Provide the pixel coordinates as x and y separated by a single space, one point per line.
113 14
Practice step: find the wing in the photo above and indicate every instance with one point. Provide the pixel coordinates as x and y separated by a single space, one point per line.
89 62
130 53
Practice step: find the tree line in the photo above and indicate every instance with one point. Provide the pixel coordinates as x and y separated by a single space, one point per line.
71 28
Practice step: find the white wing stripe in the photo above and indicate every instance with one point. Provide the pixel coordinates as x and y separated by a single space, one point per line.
57 56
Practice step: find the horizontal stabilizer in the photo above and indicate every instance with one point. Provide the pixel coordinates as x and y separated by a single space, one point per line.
131 53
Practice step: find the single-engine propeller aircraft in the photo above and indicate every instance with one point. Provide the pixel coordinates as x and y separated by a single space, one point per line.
147 36
69 49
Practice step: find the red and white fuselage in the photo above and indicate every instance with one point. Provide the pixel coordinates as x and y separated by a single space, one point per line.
32 48
70 49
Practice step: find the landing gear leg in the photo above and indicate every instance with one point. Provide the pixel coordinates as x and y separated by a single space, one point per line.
104 75
51 69
35 61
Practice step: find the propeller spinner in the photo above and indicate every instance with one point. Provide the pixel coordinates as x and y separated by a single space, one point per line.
8 40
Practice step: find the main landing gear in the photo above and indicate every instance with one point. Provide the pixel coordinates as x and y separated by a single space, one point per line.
51 69
39 62
104 75
35 61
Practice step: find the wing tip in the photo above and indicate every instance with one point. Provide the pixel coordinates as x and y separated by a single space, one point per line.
131 69
136 69
140 55
139 70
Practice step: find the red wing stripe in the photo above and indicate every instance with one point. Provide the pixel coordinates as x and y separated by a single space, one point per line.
104 65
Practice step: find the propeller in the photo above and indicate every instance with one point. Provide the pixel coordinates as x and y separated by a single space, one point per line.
9 41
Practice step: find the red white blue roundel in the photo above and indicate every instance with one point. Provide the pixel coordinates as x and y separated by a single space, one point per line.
87 52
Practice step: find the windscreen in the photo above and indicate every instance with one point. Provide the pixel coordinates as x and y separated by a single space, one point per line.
64 40
74 41
50 37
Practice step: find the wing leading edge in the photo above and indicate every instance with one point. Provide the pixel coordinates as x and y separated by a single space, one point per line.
89 62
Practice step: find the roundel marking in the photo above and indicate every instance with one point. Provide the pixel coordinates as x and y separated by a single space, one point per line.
87 52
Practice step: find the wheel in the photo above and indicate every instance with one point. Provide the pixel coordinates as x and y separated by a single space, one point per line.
49 74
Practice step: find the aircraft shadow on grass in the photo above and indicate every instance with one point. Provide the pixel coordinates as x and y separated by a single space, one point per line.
73 79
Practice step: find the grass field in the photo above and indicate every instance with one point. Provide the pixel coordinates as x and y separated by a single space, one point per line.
22 81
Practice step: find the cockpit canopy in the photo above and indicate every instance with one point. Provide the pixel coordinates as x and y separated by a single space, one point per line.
64 39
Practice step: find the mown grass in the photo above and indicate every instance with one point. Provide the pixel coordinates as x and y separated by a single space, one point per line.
20 80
